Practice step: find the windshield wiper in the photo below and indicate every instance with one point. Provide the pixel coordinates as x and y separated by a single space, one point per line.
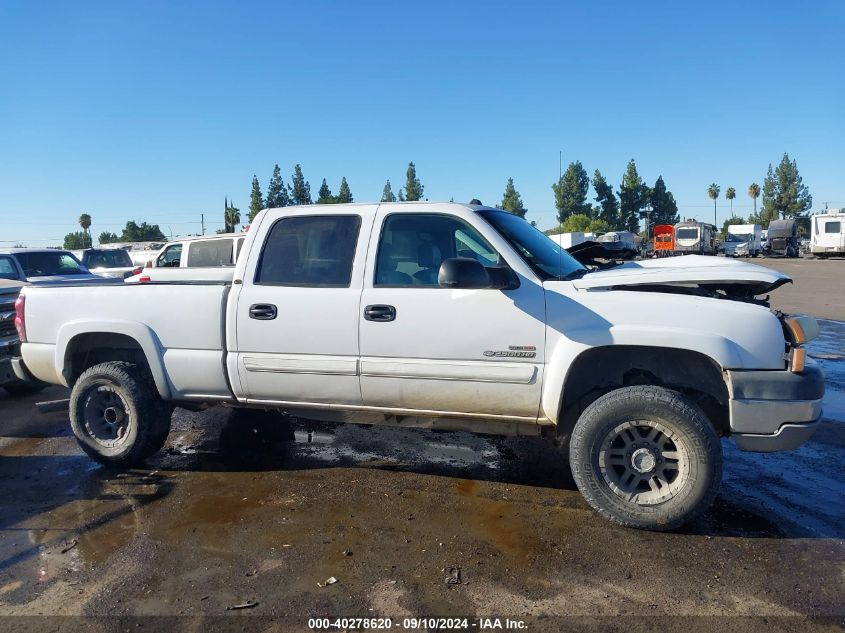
575 274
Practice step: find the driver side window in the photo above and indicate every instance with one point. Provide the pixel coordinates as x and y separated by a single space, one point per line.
171 257
412 247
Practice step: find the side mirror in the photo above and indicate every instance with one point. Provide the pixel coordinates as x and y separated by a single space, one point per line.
469 273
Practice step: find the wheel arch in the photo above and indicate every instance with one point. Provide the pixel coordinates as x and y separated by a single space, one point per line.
598 370
81 345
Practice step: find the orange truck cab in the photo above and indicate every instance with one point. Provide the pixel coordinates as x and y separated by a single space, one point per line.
664 240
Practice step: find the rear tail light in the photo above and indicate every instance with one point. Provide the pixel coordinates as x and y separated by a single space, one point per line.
145 279
138 271
20 322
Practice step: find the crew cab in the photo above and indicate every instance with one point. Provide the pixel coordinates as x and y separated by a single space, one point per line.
447 316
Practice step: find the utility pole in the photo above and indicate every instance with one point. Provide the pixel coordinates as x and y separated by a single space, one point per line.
202 221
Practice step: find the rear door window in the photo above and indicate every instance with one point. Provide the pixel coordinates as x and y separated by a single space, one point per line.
313 251
206 253
112 258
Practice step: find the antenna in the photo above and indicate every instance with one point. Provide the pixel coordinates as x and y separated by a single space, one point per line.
560 234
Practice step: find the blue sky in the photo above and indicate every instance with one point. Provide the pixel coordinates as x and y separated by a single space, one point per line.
157 110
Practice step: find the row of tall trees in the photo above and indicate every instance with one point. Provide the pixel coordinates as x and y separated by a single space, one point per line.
299 191
636 201
132 232
784 196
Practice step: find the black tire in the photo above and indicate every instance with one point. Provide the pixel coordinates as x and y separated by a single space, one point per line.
21 388
126 393
615 461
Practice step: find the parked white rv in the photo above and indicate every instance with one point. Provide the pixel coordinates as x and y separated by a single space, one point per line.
827 238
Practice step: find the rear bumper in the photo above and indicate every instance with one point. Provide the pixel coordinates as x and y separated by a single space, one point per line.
775 410
20 370
9 347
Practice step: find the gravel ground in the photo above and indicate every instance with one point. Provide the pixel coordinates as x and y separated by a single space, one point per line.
239 510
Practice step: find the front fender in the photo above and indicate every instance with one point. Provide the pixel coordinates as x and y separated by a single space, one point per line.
563 352
140 333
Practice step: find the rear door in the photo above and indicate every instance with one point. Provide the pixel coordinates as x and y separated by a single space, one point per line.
432 349
296 312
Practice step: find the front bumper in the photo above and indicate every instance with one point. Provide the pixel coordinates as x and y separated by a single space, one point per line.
775 410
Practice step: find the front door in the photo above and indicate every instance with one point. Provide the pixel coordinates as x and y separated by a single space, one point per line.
297 310
433 349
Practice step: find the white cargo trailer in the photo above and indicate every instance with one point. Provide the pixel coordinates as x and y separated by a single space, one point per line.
827 238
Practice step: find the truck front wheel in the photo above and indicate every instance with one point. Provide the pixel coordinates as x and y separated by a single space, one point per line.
646 457
117 415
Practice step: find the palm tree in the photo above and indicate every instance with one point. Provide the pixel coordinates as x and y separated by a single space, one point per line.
713 193
754 193
85 223
730 194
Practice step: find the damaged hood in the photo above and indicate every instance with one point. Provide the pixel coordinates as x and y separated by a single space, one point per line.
712 273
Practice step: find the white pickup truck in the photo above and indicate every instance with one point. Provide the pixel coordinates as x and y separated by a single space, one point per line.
447 316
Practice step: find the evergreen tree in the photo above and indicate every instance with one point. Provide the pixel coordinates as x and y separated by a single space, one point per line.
633 196
608 209
107 237
664 209
325 194
577 222
300 191
256 202
784 193
277 193
387 193
143 232
413 187
713 193
76 241
511 200
571 192
344 194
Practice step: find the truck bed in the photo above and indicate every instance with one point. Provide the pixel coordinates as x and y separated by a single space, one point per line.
182 324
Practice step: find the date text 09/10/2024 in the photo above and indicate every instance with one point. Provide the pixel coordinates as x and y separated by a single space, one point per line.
412 624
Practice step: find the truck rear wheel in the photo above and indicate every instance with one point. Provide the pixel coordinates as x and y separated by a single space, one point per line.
646 457
117 415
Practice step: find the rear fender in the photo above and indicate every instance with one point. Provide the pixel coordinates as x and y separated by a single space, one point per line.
142 334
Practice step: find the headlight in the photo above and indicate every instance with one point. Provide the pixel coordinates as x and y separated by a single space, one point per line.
801 328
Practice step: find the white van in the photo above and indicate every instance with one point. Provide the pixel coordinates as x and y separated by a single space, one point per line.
827 237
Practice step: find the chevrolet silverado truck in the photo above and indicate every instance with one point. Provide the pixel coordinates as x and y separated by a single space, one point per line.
455 317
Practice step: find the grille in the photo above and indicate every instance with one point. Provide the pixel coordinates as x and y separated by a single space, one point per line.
7 318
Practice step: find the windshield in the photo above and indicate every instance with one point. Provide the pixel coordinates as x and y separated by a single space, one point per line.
545 257
49 263
733 237
111 258
687 234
